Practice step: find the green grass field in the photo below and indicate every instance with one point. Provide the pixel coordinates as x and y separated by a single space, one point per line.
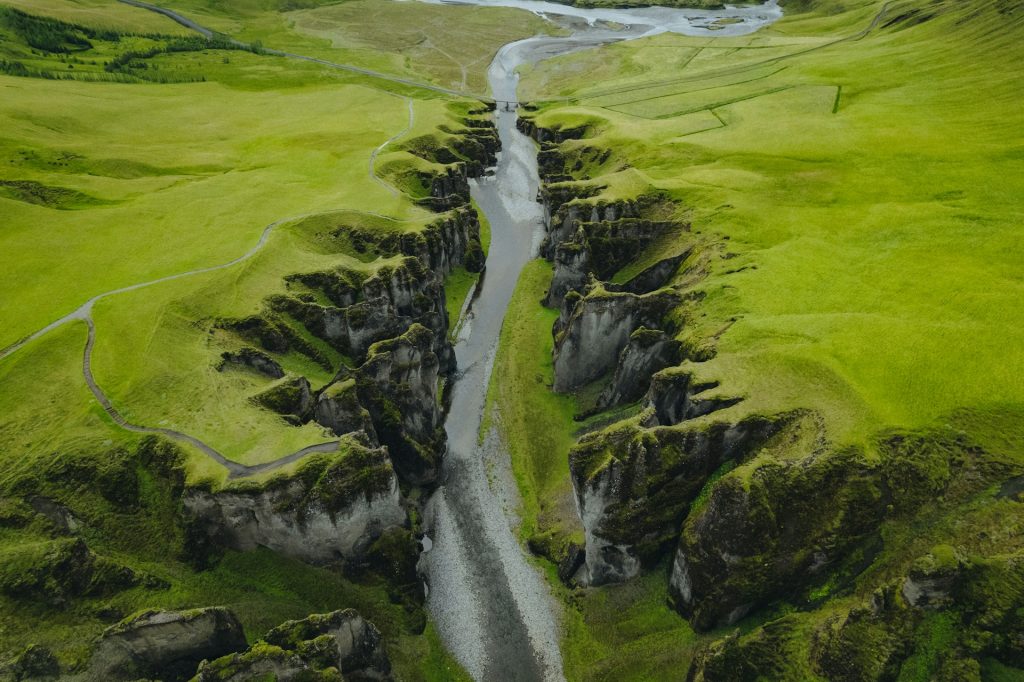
859 192
181 166
869 190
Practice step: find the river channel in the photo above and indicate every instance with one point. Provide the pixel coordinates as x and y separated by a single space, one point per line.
491 606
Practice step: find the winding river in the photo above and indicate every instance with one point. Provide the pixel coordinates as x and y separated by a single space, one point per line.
491 606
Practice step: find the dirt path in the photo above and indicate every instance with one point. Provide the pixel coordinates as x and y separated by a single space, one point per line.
394 138
84 313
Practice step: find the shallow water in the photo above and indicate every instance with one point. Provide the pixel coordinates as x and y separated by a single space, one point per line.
493 609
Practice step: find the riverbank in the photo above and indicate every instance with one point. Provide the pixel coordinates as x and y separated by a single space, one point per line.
788 313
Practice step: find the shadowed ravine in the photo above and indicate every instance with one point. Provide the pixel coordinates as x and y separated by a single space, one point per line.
492 608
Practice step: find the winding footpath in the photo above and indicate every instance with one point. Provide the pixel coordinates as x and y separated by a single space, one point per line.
394 138
84 314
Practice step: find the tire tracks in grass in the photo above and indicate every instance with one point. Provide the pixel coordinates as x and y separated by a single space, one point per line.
84 313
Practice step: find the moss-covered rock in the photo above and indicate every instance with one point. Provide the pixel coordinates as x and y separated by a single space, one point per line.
590 338
358 649
869 642
765 654
330 509
164 645
291 398
338 408
56 571
398 384
769 526
34 663
634 486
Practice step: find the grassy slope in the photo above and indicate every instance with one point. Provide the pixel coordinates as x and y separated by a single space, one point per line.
873 255
421 41
166 178
872 265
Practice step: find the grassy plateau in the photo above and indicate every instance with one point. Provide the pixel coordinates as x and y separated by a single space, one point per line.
852 176
131 151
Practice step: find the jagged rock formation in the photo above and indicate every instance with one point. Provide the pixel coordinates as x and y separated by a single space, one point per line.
398 384
385 304
593 330
648 351
56 571
675 396
599 239
338 408
877 637
320 647
452 157
392 323
634 486
164 644
775 525
292 398
768 526
330 510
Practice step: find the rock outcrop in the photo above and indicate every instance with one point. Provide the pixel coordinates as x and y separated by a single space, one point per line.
398 384
594 329
392 325
648 351
338 408
386 304
599 239
254 359
768 526
321 647
164 645
634 486
330 510
292 398
675 396
54 572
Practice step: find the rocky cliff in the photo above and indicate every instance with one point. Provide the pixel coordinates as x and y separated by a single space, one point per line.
398 384
390 322
329 511
635 485
321 647
594 329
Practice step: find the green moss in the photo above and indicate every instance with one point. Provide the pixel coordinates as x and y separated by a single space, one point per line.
330 482
933 641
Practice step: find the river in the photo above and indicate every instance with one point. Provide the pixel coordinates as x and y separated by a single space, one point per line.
492 607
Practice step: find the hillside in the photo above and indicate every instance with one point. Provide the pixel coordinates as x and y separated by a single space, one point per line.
847 182
322 358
